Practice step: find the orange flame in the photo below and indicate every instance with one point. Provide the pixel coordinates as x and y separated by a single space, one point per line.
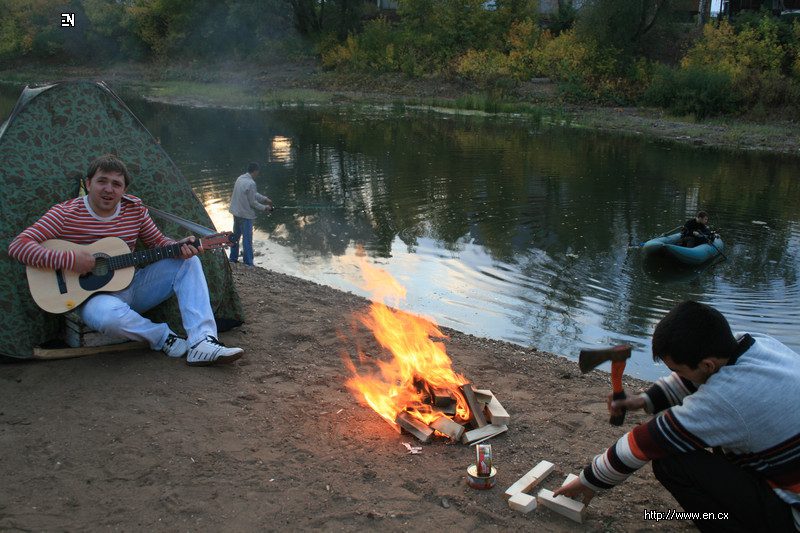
395 385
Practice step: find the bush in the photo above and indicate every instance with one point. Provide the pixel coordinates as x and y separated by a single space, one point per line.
372 50
482 67
694 90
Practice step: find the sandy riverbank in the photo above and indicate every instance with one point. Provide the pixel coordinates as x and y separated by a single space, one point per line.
137 441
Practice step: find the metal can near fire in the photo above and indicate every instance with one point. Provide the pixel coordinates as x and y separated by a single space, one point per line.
480 482
484 459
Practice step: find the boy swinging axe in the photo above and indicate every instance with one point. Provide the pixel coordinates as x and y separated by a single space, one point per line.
724 438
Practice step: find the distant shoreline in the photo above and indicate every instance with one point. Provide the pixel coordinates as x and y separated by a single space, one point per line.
304 83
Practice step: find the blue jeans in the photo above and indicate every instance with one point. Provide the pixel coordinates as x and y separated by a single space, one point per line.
118 313
242 229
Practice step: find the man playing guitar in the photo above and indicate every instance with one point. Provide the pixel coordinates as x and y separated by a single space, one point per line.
106 211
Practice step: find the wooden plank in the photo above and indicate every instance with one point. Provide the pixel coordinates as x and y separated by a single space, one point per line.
483 395
443 424
572 509
534 476
524 503
441 397
481 434
416 427
495 412
475 407
65 353
569 479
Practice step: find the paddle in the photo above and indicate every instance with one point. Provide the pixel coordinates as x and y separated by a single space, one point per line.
710 241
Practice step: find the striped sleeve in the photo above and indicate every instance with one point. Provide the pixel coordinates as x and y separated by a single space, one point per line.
663 435
667 392
149 233
26 247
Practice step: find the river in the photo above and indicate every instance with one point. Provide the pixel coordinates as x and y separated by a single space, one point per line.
501 227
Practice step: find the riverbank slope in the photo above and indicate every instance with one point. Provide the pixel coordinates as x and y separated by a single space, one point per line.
276 441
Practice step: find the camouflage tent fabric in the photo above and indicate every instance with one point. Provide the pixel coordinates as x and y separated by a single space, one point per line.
46 145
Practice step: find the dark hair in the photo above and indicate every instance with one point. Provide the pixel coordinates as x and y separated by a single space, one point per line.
253 167
108 163
691 332
702 214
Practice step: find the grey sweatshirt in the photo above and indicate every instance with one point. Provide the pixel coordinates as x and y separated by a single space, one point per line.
245 200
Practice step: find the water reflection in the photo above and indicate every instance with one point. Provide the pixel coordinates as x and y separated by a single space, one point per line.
502 229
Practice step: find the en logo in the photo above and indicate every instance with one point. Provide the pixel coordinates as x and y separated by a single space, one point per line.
67 20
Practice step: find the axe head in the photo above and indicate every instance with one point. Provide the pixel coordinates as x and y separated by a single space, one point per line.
590 359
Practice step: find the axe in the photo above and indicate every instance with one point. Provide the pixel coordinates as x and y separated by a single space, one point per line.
618 355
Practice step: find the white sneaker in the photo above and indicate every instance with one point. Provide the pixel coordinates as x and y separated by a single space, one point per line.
175 346
210 351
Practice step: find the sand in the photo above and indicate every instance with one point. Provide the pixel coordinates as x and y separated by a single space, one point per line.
275 441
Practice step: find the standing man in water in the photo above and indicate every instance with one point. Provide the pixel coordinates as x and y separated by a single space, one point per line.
245 202
725 438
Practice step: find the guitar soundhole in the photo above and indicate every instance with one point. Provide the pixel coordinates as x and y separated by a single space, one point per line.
100 275
100 265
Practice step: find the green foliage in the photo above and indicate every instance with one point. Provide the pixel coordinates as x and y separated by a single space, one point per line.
695 90
374 49
430 38
758 54
139 29
626 27
794 49
565 18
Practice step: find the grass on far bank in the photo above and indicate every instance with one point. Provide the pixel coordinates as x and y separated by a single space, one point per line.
233 95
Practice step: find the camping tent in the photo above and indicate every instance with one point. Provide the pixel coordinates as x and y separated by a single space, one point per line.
46 145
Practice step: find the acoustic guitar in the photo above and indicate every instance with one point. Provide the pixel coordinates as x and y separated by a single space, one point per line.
59 291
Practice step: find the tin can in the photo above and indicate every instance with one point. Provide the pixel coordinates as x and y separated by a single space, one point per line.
480 482
484 460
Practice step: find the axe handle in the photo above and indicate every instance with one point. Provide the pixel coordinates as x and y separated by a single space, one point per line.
617 369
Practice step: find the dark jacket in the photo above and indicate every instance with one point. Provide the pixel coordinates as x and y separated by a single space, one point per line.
693 225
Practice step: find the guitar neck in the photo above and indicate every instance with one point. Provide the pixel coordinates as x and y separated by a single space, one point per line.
143 257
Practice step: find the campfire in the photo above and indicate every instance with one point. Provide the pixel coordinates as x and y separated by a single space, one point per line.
416 390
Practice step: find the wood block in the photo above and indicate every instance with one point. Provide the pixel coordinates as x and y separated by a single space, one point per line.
569 479
441 397
443 424
483 395
562 505
449 410
524 503
534 476
65 353
495 413
475 407
479 435
416 427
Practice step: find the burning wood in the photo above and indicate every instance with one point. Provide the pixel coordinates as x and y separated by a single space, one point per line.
448 427
475 408
476 436
416 427
417 390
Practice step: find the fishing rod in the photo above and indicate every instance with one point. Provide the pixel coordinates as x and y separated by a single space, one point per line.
309 206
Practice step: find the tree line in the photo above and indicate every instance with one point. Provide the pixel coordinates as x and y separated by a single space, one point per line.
622 52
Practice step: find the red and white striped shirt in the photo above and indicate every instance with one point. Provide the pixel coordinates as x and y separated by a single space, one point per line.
74 221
